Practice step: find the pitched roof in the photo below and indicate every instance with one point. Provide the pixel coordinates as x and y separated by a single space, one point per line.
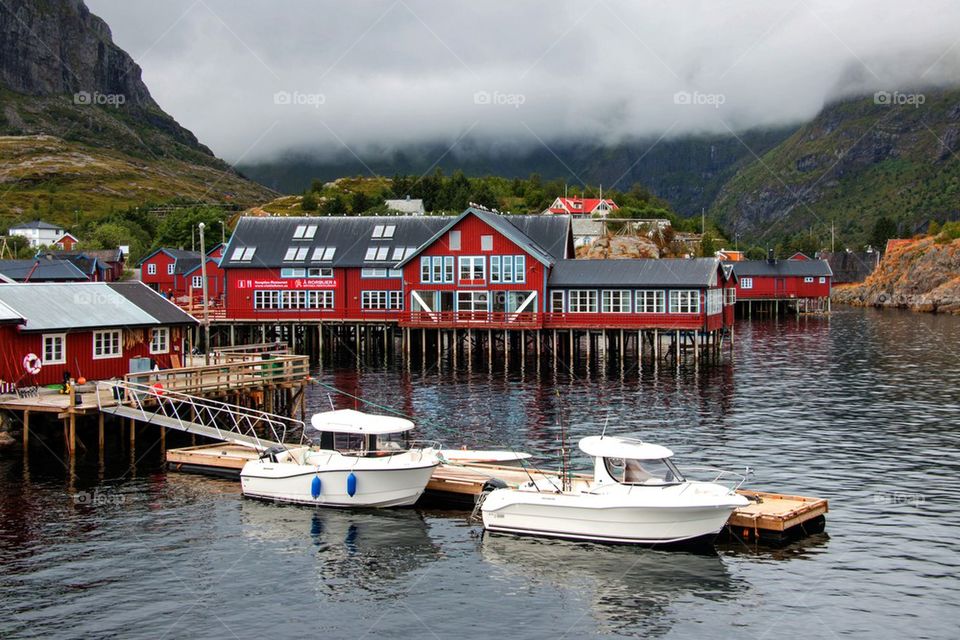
781 268
46 271
36 224
210 261
553 233
103 255
350 236
8 315
89 305
580 205
176 254
667 272
84 262
186 264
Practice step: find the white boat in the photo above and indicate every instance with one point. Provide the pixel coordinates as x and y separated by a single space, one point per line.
362 462
637 495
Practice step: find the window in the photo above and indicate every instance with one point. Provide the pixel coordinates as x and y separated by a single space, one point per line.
685 301
486 243
434 269
808 280
55 348
377 231
494 268
556 301
266 299
295 254
320 300
714 301
170 268
305 232
159 340
453 241
731 296
152 269
389 230
472 268
323 254
582 301
381 300
397 254
823 280
320 272
651 301
292 273
197 282
473 301
448 269
746 283
520 269
507 269
243 254
373 273
377 253
615 301
437 263
106 344
425 269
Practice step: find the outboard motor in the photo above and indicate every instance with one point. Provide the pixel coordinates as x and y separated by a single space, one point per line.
271 453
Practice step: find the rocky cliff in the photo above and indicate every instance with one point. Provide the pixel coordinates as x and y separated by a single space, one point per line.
923 275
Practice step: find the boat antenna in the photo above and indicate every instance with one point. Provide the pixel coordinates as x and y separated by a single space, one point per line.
330 400
524 467
563 448
605 422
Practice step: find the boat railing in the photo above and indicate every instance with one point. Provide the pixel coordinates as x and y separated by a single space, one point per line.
419 446
720 476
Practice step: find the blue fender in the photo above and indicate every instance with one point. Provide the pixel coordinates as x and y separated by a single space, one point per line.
315 487
351 484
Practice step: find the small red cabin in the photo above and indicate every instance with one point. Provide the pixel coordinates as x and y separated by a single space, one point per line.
98 328
163 270
807 282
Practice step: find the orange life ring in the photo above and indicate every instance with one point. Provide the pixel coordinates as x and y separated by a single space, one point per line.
32 364
157 389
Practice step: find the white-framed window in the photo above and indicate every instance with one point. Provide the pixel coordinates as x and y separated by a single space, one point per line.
323 254
615 301
296 254
685 301
197 282
448 269
435 269
243 254
582 301
486 243
290 272
520 269
556 301
320 300
746 283
152 269
495 272
714 301
368 272
381 300
731 296
473 268
294 299
453 240
170 268
425 269
473 300
507 273
305 232
54 348
320 272
808 280
266 299
508 269
106 344
651 301
159 340
823 279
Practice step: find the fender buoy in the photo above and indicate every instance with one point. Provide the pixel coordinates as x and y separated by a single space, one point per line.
351 484
315 487
32 364
157 388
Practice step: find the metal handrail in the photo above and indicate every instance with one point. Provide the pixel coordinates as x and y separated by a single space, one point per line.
720 474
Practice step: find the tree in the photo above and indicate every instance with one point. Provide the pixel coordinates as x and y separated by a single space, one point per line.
360 202
883 230
309 202
934 228
335 206
708 245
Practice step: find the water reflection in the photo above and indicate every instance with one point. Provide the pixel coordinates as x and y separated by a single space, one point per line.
632 589
352 549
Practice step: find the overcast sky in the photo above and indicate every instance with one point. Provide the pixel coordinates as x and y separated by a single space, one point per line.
255 78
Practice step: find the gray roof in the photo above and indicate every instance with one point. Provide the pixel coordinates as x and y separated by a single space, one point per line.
553 233
9 316
667 272
36 224
47 270
350 235
87 305
186 265
781 268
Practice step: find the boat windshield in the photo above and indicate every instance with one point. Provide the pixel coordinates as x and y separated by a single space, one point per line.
369 445
644 472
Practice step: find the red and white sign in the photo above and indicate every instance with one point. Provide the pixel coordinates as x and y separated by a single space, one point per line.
291 283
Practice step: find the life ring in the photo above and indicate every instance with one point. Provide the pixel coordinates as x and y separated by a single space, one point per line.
157 389
32 364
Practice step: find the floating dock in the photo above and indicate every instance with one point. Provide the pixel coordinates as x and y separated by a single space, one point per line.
769 516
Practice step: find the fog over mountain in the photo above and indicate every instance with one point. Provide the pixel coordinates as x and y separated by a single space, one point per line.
256 79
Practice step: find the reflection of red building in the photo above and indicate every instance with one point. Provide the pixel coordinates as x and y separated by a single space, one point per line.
476 270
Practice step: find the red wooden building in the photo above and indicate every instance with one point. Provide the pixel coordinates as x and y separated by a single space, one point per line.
163 270
804 283
583 207
88 329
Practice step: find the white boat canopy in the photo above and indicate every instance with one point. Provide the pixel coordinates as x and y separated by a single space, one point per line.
617 447
351 421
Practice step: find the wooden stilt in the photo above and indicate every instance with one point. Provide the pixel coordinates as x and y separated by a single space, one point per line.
100 433
26 430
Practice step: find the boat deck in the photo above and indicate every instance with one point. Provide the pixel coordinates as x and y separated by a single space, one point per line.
768 516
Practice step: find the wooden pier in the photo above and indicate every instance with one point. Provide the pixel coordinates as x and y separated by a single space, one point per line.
769 516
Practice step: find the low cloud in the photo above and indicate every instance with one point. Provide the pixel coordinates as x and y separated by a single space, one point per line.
253 80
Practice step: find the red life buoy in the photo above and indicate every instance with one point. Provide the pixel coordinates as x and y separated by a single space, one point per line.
32 364
157 388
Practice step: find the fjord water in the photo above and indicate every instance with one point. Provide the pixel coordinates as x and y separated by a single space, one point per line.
861 408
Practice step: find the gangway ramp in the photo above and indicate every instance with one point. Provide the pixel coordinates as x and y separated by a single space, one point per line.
152 404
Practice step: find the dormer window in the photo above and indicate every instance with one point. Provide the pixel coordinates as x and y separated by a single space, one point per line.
383 231
305 232
295 254
323 254
243 254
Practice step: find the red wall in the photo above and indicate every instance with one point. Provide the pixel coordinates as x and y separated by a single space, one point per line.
14 345
215 281
239 300
160 282
768 287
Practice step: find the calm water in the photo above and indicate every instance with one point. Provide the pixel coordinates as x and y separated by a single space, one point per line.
862 409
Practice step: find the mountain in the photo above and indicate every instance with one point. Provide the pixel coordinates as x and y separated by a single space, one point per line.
891 156
79 129
688 172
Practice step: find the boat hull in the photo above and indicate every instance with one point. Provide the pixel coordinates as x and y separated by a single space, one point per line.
395 487
571 517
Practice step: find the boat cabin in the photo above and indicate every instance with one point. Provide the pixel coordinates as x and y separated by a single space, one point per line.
629 461
363 434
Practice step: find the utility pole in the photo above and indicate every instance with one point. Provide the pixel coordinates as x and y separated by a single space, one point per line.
832 237
206 311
